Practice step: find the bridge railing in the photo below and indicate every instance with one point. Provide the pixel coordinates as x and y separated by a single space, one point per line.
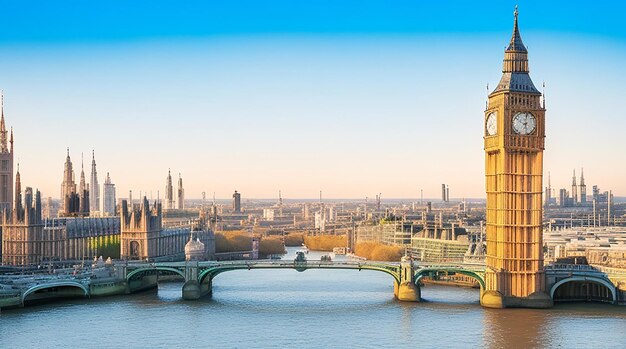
264 263
578 267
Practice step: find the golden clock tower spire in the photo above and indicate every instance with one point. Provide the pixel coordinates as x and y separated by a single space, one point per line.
514 144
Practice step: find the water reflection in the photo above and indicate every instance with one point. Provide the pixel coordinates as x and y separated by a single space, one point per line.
515 328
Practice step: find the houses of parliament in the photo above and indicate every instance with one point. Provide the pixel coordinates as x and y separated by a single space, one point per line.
87 225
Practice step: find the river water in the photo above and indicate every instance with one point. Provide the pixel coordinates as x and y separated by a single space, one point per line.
311 309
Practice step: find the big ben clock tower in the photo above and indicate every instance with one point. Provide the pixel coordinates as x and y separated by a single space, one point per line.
514 142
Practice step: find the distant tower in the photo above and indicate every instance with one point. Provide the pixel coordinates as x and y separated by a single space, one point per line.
68 187
574 189
108 204
548 193
181 193
83 191
583 189
443 192
237 202
6 163
169 192
94 187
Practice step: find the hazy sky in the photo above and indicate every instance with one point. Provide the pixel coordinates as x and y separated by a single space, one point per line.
350 97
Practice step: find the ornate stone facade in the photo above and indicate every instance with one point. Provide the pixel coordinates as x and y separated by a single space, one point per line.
143 236
22 228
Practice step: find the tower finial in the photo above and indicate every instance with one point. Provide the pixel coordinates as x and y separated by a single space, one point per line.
516 43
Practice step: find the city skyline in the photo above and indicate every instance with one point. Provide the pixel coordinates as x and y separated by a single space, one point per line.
351 112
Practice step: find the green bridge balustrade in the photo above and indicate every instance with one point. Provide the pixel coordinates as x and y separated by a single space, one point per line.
407 276
199 276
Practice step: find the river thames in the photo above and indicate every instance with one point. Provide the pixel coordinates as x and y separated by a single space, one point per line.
312 309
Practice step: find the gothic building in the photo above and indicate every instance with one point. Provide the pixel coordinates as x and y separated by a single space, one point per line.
68 188
143 236
22 228
74 203
514 127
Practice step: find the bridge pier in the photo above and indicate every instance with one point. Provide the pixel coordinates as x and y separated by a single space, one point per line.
406 290
193 289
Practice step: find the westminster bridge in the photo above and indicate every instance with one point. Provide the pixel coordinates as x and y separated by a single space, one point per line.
564 282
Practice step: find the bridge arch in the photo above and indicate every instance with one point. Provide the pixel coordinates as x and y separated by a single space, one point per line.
36 288
426 271
586 279
131 274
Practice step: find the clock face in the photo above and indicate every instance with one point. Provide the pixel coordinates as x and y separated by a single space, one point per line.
492 124
524 123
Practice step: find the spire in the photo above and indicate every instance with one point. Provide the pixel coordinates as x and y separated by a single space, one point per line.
574 178
94 186
3 129
549 186
582 177
515 77
18 190
83 186
516 43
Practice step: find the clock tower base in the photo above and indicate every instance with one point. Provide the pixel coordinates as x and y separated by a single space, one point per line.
495 299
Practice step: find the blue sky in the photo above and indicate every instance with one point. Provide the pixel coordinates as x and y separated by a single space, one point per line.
351 97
